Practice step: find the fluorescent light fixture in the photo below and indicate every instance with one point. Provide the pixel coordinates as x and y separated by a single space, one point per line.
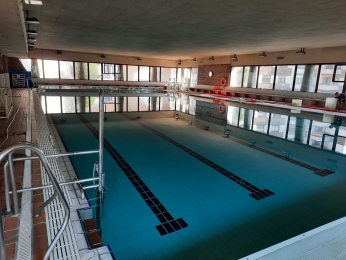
32 20
33 39
31 32
139 58
103 56
234 57
211 58
194 60
33 2
263 55
179 62
301 52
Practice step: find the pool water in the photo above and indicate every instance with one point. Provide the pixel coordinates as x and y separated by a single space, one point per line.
185 169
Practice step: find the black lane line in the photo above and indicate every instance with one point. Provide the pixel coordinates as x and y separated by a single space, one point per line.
168 223
257 193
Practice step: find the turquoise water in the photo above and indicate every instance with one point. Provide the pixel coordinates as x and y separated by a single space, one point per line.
224 222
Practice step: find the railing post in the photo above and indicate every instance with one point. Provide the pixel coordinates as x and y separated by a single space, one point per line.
7 189
14 188
101 185
2 241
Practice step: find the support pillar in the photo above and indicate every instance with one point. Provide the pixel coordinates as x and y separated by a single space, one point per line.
5 72
153 74
120 102
308 79
34 69
153 103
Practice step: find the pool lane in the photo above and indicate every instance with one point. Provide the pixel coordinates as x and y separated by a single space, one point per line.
168 223
256 192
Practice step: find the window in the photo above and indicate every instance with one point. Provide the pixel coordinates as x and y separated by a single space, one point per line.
109 104
132 104
120 72
281 80
166 104
66 70
53 104
261 121
266 79
284 77
326 81
95 71
329 67
266 74
232 115
143 73
132 73
278 125
245 119
51 69
192 106
143 104
168 75
108 72
236 76
298 130
68 105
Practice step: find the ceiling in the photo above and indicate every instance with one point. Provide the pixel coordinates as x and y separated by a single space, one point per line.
182 29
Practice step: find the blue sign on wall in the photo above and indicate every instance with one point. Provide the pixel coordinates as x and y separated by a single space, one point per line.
20 79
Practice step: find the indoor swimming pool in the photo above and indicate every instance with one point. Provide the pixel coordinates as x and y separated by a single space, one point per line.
176 191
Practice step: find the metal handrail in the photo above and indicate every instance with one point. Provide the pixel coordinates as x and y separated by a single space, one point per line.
8 152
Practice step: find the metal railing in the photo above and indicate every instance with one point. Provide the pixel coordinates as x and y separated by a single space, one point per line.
8 152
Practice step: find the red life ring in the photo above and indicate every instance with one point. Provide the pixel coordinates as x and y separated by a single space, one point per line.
223 82
221 109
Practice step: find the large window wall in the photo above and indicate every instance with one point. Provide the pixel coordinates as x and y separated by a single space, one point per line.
329 136
321 78
120 72
58 104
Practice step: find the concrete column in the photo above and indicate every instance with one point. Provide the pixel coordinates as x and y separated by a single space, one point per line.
80 73
153 103
5 72
120 101
247 118
308 79
251 80
153 74
120 76
299 130
34 69
82 103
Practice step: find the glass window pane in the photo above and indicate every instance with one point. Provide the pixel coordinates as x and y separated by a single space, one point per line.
177 105
68 105
66 70
83 105
261 121
250 76
81 70
318 130
36 68
184 103
143 103
192 106
51 69
132 104
166 104
341 139
178 75
187 76
306 78
298 130
143 73
154 103
132 73
245 119
236 76
95 71
43 104
278 125
194 76
232 115
120 72
53 104
108 68
326 84
168 75
94 104
109 104
340 73
266 77
284 77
